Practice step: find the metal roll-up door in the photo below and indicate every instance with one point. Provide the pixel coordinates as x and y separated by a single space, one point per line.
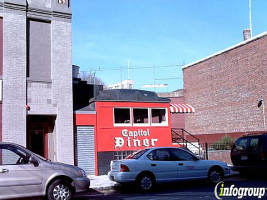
85 148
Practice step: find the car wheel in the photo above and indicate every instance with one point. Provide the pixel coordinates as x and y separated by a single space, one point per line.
59 190
145 182
215 175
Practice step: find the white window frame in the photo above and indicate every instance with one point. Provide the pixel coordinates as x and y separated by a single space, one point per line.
166 123
122 124
141 124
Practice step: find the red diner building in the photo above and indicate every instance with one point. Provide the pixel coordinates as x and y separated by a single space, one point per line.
118 122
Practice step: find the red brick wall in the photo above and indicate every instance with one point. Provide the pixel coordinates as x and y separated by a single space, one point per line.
177 119
1 70
0 122
225 90
1 46
221 155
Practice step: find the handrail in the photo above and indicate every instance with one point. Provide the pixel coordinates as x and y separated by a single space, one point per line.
183 138
190 134
183 130
186 141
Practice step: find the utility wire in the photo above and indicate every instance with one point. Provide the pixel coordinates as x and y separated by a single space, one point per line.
150 67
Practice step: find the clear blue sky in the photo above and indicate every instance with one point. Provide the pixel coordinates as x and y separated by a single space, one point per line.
108 33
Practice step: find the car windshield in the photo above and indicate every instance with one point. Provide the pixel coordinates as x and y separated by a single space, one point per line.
136 154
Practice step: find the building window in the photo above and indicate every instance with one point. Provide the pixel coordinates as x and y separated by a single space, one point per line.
39 50
158 116
140 116
122 116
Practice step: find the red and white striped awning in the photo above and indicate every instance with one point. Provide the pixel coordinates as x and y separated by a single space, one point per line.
181 108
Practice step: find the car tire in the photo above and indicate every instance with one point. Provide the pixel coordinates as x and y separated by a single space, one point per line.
215 175
145 182
59 189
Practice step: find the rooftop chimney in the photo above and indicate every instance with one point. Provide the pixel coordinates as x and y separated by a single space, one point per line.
246 34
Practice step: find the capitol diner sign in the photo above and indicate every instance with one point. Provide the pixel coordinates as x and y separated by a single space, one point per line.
129 139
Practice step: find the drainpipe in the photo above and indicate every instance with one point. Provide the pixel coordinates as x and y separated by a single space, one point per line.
262 103
263 113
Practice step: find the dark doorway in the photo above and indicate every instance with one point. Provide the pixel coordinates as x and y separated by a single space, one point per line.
36 142
39 127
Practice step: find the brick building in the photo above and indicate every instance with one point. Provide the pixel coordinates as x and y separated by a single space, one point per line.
225 88
36 72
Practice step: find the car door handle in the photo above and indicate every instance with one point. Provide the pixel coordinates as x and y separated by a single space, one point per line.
181 164
153 165
4 170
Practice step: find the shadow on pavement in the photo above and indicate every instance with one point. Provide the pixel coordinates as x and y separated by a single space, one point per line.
80 196
254 174
29 198
92 194
184 186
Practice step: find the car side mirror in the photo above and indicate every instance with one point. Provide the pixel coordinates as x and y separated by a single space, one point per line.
33 161
196 158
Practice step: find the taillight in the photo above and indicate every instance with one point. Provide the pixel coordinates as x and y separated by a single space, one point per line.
124 168
263 156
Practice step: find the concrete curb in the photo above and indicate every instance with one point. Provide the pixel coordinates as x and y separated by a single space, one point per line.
105 188
101 183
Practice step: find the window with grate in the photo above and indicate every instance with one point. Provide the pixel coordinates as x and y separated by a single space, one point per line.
119 155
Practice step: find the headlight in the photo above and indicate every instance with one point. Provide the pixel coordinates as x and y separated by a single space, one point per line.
82 172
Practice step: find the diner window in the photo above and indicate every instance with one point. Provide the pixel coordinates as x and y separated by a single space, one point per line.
140 116
122 116
158 116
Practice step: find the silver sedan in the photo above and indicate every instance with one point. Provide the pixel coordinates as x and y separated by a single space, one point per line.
164 164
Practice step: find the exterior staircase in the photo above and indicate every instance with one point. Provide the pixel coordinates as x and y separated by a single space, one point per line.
187 140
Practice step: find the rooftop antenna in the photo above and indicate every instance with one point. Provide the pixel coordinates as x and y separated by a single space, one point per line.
250 21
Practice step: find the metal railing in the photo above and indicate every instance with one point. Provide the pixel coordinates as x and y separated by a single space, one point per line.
186 139
180 136
214 147
217 146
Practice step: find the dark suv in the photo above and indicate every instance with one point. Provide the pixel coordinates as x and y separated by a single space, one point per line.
250 153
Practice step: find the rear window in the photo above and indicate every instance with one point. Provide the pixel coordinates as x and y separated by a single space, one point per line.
136 154
249 143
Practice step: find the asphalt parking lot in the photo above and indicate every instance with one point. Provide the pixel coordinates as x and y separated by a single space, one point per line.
181 190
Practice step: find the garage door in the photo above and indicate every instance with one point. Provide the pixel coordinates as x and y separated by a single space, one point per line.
85 148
